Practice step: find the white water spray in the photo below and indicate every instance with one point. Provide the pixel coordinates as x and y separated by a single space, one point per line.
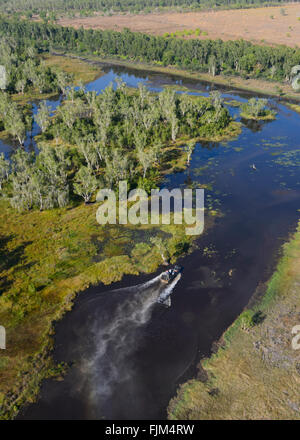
116 338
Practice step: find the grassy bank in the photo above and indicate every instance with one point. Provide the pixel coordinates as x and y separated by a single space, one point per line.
268 117
294 107
81 71
255 374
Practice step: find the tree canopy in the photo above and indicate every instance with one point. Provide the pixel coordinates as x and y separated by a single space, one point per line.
86 7
215 56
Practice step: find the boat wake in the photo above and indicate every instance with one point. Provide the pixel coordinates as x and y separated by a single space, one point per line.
114 337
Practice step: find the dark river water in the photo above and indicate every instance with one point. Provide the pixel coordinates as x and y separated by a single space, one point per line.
128 354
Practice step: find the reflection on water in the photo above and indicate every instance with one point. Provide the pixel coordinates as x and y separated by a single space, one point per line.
129 354
253 125
9 145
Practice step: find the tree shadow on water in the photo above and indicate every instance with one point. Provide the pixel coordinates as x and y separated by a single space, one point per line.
254 125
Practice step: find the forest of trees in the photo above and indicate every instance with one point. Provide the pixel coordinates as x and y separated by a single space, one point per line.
24 69
25 72
97 140
89 6
228 57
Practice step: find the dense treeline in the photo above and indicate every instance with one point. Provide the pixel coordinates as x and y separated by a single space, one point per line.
88 6
116 135
227 57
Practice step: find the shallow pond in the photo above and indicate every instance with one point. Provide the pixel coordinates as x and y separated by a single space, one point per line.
128 354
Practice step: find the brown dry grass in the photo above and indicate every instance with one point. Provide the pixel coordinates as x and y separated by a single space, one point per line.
250 24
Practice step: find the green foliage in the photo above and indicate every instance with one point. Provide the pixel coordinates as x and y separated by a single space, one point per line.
148 183
24 70
42 118
161 246
69 7
4 169
239 57
102 146
85 183
16 120
256 109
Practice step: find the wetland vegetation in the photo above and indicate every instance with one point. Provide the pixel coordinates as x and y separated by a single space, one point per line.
95 141
50 243
51 254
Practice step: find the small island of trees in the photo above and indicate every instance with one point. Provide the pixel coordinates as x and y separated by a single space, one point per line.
256 109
